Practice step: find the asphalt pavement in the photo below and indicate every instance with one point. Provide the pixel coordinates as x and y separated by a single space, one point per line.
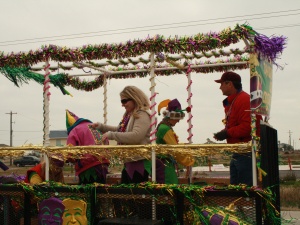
220 170
290 217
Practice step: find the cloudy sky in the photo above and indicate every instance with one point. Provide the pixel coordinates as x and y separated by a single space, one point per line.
29 24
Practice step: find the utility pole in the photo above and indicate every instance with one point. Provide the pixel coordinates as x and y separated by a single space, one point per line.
11 132
290 142
294 144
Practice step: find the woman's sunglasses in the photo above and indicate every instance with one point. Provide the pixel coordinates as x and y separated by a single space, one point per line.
125 100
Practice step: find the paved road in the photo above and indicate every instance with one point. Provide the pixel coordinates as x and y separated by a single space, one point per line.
292 216
205 172
282 173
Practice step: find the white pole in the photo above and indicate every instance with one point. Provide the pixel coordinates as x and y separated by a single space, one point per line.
105 99
189 101
46 96
153 127
153 112
189 120
254 146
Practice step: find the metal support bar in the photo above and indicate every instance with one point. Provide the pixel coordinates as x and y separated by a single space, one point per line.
165 68
146 60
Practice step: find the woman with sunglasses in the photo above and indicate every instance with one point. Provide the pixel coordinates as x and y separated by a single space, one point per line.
134 129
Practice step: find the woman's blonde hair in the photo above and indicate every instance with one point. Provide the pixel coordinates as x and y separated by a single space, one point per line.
138 96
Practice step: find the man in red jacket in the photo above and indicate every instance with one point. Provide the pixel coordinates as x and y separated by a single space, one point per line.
237 126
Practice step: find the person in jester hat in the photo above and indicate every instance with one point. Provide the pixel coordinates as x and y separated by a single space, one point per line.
133 129
166 164
89 168
36 174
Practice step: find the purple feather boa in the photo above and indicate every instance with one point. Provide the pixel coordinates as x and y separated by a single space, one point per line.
13 178
271 47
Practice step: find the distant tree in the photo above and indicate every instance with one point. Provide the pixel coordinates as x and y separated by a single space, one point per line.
208 141
286 147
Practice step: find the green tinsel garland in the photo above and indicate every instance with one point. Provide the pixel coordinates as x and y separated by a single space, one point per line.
193 193
186 44
22 75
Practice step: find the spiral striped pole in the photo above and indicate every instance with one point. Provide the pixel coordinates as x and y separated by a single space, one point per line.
189 101
105 99
153 112
254 148
190 116
46 97
153 126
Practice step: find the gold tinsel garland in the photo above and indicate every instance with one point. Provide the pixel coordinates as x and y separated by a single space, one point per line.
11 153
130 151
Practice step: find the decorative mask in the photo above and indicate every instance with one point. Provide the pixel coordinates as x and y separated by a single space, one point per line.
51 211
75 212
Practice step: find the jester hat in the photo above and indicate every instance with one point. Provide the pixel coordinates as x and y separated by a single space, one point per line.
173 109
56 160
72 120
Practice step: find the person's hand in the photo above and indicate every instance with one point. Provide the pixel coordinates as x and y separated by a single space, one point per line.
220 136
104 137
94 125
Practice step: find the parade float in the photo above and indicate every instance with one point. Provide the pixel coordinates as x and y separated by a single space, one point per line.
150 203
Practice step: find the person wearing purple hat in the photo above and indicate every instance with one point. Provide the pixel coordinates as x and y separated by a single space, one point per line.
237 124
166 164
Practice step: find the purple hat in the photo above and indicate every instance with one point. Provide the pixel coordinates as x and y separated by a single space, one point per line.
174 105
229 76
174 110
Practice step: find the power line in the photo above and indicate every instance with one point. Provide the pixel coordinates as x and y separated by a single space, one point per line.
276 27
36 137
28 131
157 25
27 117
106 31
23 130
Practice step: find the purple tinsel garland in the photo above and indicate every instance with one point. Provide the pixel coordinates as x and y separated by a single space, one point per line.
271 47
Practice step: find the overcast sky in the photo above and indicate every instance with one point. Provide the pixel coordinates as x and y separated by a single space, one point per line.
29 24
